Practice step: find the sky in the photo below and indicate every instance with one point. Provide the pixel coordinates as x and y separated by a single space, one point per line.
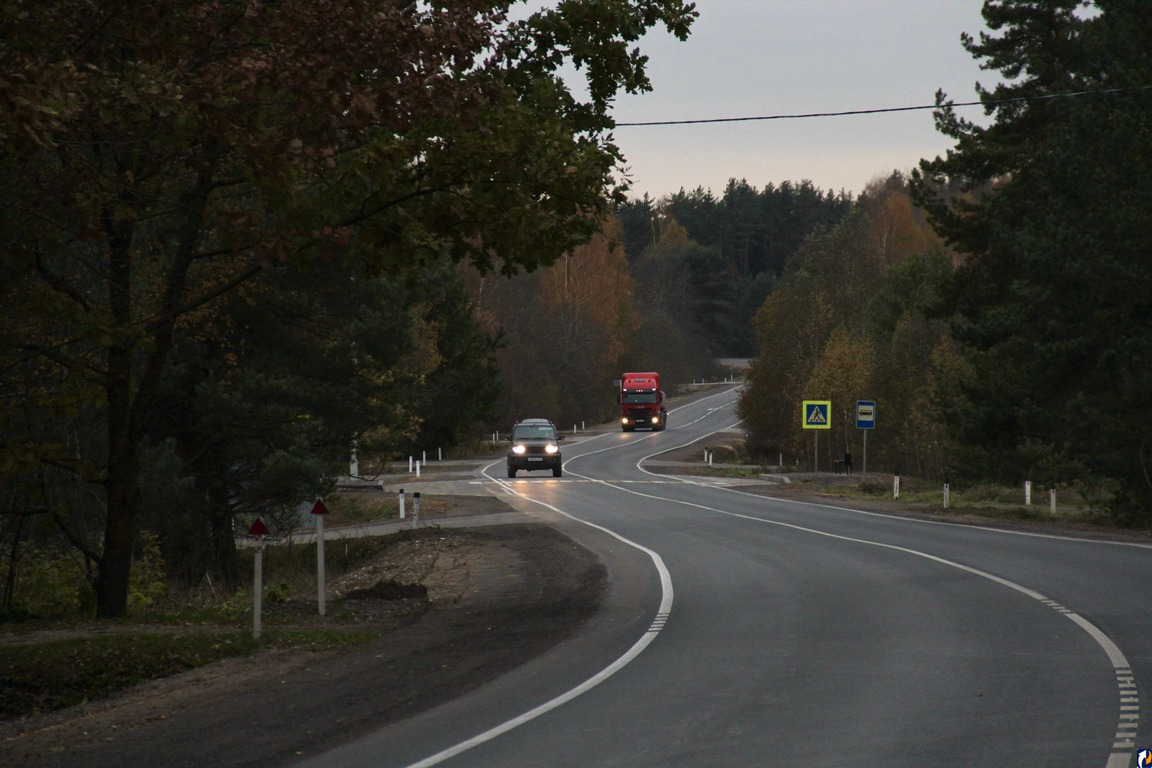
785 57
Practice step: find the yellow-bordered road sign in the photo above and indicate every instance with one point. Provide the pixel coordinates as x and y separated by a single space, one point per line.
817 414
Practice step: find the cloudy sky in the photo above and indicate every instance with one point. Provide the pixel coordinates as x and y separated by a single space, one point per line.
787 57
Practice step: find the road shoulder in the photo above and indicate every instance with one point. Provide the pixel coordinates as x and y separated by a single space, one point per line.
503 594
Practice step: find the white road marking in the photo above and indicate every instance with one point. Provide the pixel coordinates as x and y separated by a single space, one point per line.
661 618
1123 744
1129 718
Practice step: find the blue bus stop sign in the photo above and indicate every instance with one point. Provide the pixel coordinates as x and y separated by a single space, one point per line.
865 414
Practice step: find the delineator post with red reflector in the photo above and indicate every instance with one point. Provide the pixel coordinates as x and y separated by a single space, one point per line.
320 510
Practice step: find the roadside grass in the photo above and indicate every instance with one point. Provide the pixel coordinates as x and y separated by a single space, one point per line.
743 471
362 507
48 676
989 502
992 502
50 664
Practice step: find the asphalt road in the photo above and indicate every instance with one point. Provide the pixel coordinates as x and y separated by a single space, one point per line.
747 631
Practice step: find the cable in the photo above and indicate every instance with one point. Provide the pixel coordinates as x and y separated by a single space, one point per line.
847 113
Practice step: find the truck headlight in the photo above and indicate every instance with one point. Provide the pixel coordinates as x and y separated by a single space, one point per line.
624 420
655 419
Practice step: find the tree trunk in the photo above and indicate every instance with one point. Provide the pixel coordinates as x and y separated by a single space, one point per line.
131 393
122 484
121 492
123 496
10 579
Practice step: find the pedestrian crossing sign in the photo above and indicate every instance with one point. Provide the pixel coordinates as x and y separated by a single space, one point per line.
816 414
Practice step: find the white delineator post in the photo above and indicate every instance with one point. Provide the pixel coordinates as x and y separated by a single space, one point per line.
258 590
259 531
320 510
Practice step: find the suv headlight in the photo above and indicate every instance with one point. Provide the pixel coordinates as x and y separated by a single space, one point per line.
518 450
551 448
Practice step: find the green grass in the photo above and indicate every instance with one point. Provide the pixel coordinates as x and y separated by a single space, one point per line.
184 632
986 501
748 471
352 508
47 676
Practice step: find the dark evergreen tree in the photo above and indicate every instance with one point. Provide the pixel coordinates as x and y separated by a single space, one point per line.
747 238
1050 204
637 226
265 401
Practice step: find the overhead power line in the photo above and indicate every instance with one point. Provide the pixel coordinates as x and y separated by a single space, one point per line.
846 113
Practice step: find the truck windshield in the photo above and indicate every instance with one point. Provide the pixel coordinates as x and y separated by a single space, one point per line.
639 397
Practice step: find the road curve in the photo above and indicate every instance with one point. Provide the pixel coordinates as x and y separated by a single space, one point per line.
743 630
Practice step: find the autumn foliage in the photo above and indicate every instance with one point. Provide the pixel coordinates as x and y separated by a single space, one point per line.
158 158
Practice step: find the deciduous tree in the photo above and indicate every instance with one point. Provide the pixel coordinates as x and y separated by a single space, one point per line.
157 156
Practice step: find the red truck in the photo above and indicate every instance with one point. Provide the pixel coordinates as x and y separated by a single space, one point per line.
642 402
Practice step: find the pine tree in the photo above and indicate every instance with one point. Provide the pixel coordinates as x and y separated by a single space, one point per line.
1049 206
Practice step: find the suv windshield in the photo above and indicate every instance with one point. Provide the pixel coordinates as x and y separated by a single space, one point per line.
533 433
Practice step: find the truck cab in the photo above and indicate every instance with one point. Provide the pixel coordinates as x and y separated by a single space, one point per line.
642 402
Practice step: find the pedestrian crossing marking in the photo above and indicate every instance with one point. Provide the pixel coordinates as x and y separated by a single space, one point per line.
572 480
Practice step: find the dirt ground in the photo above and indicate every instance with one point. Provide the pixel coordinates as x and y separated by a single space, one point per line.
496 596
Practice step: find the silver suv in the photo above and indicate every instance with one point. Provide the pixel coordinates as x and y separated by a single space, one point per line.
535 445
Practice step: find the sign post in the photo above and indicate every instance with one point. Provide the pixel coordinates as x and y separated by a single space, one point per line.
817 415
259 530
865 420
320 510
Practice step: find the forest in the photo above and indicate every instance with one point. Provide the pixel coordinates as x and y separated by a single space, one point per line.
233 239
995 304
205 312
669 285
